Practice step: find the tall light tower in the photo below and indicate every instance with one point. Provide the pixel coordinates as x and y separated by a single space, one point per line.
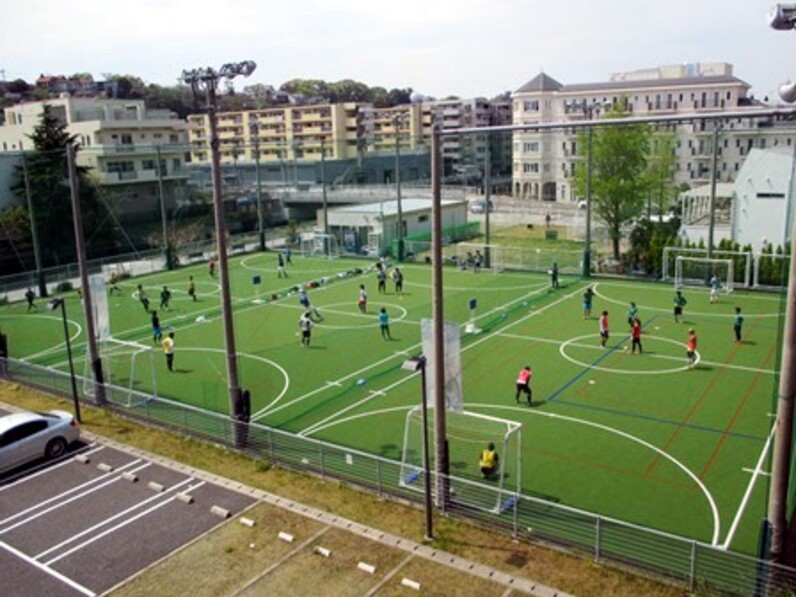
255 132
783 18
396 121
208 79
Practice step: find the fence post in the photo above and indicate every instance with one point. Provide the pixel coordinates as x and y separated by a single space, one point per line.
597 539
378 476
271 446
515 530
692 573
323 473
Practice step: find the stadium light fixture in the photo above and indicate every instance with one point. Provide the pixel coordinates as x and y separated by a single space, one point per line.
208 78
782 17
52 306
415 364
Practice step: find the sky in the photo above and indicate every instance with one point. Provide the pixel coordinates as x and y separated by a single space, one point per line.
439 48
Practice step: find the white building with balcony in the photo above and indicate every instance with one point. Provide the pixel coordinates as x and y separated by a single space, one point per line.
544 161
120 141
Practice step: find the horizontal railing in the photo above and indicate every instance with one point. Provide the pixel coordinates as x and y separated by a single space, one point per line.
696 565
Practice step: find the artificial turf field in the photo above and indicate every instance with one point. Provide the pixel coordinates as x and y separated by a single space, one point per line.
640 438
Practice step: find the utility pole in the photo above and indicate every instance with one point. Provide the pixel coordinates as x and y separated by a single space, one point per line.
80 248
587 249
255 130
487 201
166 245
396 126
209 78
34 231
326 248
714 172
438 323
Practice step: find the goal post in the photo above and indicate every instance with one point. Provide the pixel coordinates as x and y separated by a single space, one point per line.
468 434
698 272
320 245
128 368
743 262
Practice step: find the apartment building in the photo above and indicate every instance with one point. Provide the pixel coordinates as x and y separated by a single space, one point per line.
281 134
544 161
120 141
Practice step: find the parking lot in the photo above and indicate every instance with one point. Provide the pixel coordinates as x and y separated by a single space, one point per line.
84 524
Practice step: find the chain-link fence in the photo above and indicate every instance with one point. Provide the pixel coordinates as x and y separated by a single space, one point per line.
699 566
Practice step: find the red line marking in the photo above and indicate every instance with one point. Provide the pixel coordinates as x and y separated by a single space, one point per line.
694 408
735 416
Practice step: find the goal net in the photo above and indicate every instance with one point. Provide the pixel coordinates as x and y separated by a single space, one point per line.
698 272
319 244
468 434
128 371
743 262
504 257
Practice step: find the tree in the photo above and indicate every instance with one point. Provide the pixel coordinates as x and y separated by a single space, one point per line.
619 161
661 163
48 180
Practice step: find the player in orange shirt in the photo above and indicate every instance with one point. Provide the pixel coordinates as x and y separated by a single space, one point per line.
690 348
603 328
635 334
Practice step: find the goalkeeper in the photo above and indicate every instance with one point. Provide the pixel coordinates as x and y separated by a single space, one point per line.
489 461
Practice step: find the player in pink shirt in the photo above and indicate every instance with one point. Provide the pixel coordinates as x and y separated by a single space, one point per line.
524 384
603 328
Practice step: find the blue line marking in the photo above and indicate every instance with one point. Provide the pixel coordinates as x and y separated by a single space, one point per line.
599 360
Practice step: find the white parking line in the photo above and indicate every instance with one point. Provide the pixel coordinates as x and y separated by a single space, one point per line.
46 468
46 570
73 538
67 492
117 527
68 501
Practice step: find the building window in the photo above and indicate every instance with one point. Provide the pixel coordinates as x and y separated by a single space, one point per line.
422 219
147 164
531 106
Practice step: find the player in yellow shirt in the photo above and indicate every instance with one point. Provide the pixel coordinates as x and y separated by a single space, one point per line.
168 350
489 461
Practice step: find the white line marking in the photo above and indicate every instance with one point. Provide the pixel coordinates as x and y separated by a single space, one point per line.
74 538
118 526
753 471
334 383
65 502
46 570
748 493
50 468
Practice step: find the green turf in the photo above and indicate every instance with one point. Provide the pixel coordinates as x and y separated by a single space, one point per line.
639 438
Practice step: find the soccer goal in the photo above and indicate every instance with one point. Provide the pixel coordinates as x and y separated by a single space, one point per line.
698 271
743 262
320 244
468 434
489 257
128 371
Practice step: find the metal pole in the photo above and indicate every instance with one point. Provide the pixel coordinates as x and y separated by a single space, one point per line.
33 231
295 164
396 123
235 402
80 248
325 198
71 362
438 322
255 127
166 247
783 435
587 248
713 175
487 201
426 463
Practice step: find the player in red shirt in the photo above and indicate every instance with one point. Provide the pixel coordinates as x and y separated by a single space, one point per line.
635 334
524 384
603 328
690 348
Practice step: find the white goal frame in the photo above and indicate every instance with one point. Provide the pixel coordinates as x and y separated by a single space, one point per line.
490 254
320 245
748 267
702 282
465 490
129 395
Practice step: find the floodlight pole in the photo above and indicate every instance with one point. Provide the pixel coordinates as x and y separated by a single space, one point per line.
209 78
166 247
33 231
396 129
255 130
426 465
587 249
714 172
438 322
325 198
60 301
80 249
487 201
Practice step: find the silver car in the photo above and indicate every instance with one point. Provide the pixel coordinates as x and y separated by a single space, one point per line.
27 436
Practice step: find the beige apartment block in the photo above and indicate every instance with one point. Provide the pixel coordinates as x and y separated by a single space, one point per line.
284 133
544 161
120 140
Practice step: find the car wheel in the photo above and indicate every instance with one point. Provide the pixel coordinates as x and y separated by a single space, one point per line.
55 447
